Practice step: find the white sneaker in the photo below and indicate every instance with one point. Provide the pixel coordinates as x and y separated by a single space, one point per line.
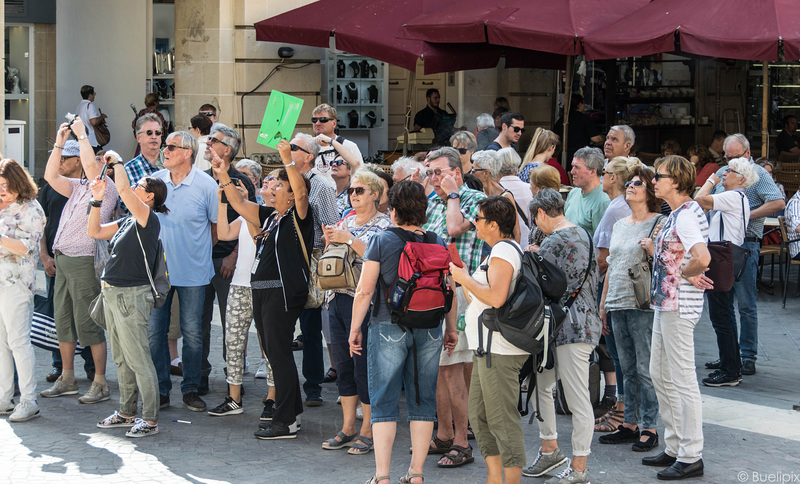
7 408
24 411
261 372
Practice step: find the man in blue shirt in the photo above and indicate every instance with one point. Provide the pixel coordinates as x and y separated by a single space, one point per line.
186 232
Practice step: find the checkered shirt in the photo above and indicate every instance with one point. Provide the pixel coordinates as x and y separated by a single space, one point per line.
468 243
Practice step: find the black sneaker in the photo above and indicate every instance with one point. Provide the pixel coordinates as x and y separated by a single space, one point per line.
228 407
163 401
748 367
193 402
720 379
275 431
714 365
269 411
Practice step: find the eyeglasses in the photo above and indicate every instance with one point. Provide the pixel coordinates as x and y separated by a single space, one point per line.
315 120
608 172
729 158
356 190
294 147
172 148
212 141
150 132
659 176
437 172
732 170
517 129
65 158
635 183
142 185
463 151
476 170
208 113
268 178
339 162
479 218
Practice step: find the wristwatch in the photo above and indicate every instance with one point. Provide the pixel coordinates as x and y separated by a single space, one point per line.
82 137
350 242
453 195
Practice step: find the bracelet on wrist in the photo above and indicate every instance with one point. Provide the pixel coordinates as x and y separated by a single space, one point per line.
96 203
290 164
226 184
56 147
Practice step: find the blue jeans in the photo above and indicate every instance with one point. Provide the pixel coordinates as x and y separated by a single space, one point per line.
720 311
390 366
313 370
191 312
633 330
86 353
745 292
351 371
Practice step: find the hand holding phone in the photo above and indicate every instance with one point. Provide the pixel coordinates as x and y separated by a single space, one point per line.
454 257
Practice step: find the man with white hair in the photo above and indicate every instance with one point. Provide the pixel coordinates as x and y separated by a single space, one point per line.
587 202
486 132
765 199
619 141
223 146
407 168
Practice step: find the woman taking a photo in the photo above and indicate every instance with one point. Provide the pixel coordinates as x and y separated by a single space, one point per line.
365 193
21 226
681 258
494 390
632 325
391 360
279 280
569 246
128 295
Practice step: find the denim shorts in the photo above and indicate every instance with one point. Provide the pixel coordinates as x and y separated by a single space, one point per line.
390 367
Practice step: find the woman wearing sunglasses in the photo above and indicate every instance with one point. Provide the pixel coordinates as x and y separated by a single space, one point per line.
127 293
631 244
681 258
356 230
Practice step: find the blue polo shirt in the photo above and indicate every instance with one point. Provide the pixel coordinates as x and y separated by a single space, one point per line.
186 229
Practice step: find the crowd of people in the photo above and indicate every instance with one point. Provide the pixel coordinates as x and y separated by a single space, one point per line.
251 242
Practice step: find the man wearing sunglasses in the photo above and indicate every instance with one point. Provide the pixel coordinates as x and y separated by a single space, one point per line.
209 111
221 147
512 126
765 199
324 122
150 159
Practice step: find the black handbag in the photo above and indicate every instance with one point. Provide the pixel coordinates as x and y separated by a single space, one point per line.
728 260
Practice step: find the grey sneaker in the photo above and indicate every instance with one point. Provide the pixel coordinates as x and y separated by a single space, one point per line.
97 393
141 429
570 476
24 411
7 408
545 463
116 421
60 387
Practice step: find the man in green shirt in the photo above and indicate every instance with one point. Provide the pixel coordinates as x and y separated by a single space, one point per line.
587 202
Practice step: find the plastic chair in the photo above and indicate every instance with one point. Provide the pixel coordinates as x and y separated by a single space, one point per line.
789 261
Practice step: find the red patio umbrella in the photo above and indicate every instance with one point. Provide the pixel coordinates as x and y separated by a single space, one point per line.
371 29
544 25
734 29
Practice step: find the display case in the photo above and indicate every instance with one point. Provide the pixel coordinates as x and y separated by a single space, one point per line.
656 96
18 92
356 87
783 90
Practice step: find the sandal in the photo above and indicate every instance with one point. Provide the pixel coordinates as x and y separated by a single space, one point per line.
377 479
609 422
331 376
362 445
344 441
463 455
441 446
406 479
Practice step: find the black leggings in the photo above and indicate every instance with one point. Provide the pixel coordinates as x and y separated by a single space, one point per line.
275 326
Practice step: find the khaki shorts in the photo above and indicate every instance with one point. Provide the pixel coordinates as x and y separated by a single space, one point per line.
76 285
461 353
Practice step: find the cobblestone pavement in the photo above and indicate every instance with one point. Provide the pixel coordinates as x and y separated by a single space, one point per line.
751 432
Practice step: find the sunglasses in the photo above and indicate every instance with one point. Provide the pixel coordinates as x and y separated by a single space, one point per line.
517 129
172 148
659 176
356 190
315 120
608 172
463 151
479 218
294 147
339 163
212 141
208 113
142 186
635 183
268 178
150 132
437 172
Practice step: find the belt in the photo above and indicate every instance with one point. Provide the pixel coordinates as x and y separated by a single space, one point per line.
751 239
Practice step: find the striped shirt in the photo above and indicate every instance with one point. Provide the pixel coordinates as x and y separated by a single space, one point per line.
685 227
322 199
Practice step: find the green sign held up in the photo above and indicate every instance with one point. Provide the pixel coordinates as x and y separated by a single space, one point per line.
280 119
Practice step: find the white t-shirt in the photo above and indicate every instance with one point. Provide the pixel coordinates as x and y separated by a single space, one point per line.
500 346
87 111
200 160
247 254
728 205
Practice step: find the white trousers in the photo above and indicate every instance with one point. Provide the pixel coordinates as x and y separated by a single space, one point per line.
573 370
675 380
16 311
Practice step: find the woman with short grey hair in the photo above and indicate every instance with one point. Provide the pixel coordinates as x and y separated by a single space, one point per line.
253 171
408 168
570 247
486 132
487 170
